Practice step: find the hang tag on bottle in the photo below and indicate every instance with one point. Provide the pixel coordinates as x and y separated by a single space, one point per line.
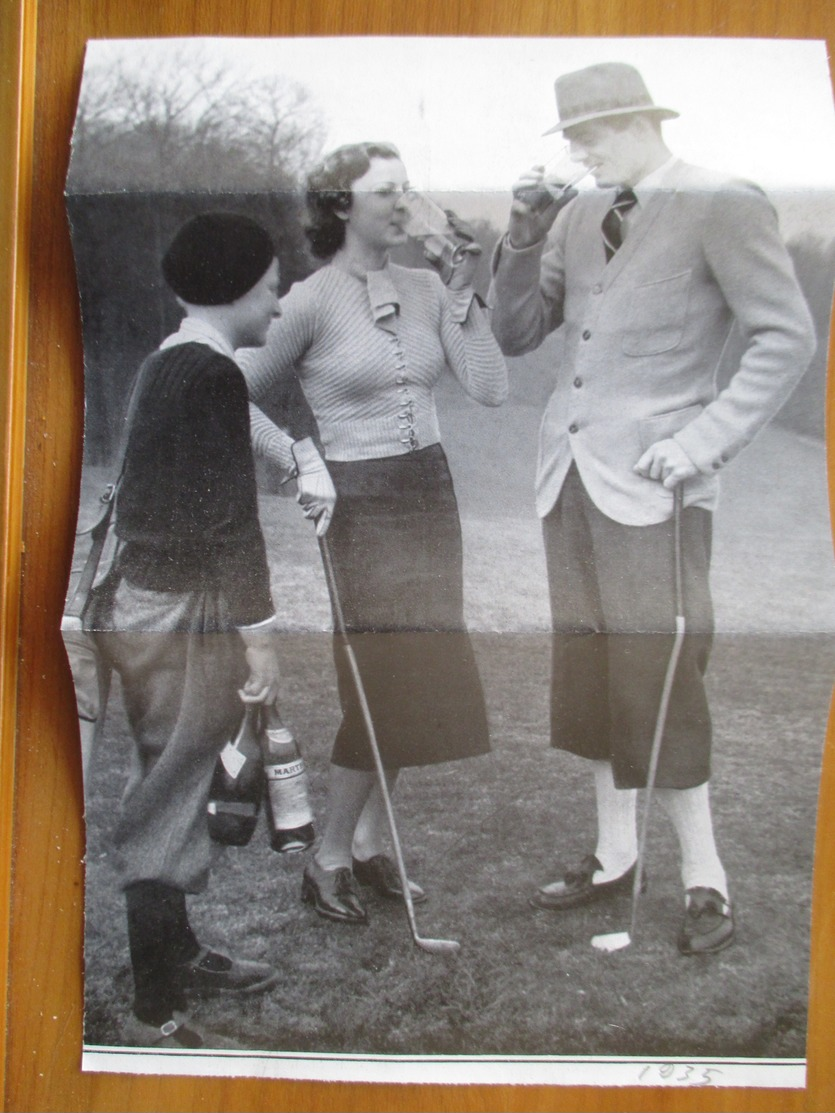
233 760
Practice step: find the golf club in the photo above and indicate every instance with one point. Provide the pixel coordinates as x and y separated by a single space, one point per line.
432 946
618 940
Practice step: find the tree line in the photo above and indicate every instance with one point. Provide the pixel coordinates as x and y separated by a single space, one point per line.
151 149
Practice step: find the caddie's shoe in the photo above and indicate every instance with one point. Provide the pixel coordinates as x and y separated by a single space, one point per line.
171 1033
381 874
211 972
333 893
577 886
708 924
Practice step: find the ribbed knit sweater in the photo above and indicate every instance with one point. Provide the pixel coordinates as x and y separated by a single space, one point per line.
187 506
368 352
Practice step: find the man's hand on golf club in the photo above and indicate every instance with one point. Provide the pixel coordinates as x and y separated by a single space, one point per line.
667 463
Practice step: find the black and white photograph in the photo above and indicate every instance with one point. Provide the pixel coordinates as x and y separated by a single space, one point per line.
452 610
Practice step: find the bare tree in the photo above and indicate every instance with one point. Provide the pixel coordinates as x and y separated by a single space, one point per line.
277 129
153 144
190 124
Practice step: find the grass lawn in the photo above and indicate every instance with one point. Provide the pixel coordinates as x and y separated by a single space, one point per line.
480 835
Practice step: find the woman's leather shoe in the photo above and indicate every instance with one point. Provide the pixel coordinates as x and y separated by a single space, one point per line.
382 875
333 894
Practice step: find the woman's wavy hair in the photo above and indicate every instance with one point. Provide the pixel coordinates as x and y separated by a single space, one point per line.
329 192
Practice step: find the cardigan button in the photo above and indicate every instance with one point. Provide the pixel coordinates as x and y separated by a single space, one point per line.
586 334
573 428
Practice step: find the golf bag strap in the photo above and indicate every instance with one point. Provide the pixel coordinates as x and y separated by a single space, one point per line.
98 533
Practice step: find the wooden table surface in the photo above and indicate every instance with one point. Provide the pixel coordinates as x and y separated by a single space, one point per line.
40 780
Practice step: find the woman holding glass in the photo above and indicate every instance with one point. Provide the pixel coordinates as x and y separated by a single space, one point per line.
369 340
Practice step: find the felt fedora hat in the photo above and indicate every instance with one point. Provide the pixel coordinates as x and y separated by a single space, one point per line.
606 89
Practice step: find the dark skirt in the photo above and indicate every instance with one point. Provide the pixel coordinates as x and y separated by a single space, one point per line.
395 541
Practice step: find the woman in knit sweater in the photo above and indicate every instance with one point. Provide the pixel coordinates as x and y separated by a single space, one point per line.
369 341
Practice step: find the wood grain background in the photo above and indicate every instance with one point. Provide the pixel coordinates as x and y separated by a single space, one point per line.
41 849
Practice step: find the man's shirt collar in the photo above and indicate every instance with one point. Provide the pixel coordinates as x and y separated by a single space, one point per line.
658 179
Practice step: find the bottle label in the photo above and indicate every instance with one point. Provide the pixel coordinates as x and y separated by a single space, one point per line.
233 760
288 797
285 771
232 807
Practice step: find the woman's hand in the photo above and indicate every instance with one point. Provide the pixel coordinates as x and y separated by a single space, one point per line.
465 266
468 252
261 652
460 273
317 494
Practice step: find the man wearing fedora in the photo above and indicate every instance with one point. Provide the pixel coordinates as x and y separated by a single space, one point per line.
647 275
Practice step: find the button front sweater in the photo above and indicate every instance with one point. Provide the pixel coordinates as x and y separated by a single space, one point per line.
368 353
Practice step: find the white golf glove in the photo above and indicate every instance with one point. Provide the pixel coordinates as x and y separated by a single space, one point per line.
317 494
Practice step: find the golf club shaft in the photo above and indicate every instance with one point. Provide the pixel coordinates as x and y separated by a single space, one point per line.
375 751
663 705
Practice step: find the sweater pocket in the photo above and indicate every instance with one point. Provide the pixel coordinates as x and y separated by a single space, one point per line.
657 314
661 426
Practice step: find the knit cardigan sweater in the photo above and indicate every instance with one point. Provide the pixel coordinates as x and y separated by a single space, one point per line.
187 510
368 352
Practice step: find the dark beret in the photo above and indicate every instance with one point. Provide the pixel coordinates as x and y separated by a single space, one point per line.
215 258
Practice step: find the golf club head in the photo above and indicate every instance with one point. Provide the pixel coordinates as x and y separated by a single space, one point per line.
438 946
611 941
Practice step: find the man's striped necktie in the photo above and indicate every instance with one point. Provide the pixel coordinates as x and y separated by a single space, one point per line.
612 226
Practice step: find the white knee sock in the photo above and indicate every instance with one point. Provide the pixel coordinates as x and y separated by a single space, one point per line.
617 840
689 812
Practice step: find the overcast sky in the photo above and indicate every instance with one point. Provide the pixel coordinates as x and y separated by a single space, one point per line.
468 114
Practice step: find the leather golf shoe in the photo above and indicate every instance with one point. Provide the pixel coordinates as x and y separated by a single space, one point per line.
173 1032
708 924
577 887
211 972
333 893
382 875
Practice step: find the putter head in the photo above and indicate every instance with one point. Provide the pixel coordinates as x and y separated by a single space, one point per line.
611 941
438 946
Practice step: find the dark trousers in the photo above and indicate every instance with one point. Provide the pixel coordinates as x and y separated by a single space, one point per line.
613 609
180 661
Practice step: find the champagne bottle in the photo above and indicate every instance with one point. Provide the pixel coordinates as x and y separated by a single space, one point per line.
289 813
238 784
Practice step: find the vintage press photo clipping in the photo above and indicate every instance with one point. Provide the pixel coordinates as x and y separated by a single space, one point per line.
170 129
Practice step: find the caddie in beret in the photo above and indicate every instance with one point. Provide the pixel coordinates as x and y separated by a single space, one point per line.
217 257
192 561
